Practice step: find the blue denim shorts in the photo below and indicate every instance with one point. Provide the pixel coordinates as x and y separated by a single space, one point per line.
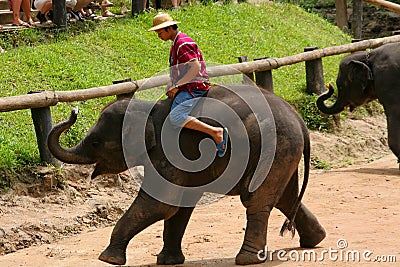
182 105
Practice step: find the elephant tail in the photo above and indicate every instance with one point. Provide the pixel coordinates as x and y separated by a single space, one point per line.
289 224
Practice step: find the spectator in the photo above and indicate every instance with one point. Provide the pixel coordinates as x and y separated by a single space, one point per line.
105 12
175 4
45 8
81 4
16 6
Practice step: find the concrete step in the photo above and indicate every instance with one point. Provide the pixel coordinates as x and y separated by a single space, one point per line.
6 16
4 5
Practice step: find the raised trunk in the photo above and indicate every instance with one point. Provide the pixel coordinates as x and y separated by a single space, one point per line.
335 108
75 155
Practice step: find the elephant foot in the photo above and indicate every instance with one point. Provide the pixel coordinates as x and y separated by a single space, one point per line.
170 257
312 241
309 229
245 257
113 256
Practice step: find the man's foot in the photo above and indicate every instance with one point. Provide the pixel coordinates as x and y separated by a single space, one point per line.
223 145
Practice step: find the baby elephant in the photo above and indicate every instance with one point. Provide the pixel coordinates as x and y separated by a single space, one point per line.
366 76
267 140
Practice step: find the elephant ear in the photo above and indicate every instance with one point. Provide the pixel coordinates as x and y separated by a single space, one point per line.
361 74
150 135
138 126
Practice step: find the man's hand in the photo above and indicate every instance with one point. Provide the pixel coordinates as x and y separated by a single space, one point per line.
172 92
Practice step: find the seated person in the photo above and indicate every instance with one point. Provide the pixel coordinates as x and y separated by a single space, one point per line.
44 6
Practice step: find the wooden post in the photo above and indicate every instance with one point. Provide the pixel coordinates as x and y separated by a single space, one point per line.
314 74
356 24
42 121
341 14
137 7
127 95
59 14
264 78
246 76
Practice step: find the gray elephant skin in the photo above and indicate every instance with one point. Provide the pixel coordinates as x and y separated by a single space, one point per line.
366 76
103 143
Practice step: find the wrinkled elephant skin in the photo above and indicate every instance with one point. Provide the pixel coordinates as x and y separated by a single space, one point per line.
103 145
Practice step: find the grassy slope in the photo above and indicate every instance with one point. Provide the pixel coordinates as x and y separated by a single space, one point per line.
123 48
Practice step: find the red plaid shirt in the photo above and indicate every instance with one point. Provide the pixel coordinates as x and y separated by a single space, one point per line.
183 50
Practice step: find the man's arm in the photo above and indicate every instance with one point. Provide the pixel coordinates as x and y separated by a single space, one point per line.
193 69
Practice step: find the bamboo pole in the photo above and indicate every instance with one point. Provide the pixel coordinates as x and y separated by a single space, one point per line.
51 98
385 4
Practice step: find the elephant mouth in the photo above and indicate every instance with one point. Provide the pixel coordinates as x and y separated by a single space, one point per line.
107 168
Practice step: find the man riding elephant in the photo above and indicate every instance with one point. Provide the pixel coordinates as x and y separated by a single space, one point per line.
189 79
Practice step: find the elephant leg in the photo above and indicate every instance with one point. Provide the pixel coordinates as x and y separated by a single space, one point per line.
393 124
174 228
309 229
143 212
255 237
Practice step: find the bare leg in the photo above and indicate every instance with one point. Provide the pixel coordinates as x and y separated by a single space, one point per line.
175 3
26 7
46 8
16 13
217 133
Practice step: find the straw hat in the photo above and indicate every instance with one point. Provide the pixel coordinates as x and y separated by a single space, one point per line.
162 20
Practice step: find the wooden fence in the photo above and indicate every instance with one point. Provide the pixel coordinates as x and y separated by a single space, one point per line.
342 16
40 101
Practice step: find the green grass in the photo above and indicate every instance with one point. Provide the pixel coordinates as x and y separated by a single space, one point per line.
96 53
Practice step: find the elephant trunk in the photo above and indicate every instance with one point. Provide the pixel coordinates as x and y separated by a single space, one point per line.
75 155
337 107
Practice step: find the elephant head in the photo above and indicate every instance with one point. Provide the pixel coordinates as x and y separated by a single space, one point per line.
102 144
354 82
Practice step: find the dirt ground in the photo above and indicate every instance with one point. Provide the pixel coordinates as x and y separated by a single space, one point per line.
67 220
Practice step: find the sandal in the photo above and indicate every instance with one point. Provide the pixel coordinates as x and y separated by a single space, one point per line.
93 5
221 147
21 24
108 13
90 16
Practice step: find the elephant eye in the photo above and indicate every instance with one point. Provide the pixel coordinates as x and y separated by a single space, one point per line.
95 144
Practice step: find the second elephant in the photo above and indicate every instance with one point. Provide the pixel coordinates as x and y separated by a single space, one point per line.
366 76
